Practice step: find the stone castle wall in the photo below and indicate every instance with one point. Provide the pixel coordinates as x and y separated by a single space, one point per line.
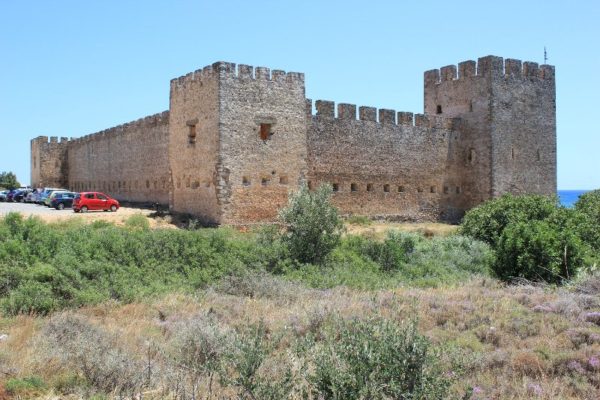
237 139
128 162
389 166
49 162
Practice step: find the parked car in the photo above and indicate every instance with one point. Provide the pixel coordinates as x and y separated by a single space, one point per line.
30 198
87 201
47 192
10 195
3 195
62 200
20 195
52 194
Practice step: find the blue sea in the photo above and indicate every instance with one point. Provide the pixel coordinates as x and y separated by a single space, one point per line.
569 197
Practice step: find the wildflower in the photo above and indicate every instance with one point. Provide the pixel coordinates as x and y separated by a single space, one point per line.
534 388
575 366
593 317
594 362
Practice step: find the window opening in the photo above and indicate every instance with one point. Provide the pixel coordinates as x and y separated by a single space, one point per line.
265 131
245 181
386 188
369 187
439 109
432 189
264 181
446 189
353 187
336 187
192 130
400 189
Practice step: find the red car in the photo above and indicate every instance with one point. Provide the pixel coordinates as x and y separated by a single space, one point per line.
94 201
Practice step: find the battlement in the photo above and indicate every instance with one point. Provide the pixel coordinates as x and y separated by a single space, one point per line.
142 123
222 69
327 109
41 140
490 66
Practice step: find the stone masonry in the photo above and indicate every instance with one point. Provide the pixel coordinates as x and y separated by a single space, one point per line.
237 140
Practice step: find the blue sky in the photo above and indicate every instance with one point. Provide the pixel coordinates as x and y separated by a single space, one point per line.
69 68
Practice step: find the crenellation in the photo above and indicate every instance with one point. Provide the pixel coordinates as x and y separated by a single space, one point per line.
530 69
448 73
325 108
432 77
387 117
346 111
490 66
421 120
309 107
467 69
367 113
263 73
512 67
245 71
278 75
547 72
405 118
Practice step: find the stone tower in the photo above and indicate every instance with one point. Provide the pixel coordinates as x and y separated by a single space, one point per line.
507 138
237 141
49 164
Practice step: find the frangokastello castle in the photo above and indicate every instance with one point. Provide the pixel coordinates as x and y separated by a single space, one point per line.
236 140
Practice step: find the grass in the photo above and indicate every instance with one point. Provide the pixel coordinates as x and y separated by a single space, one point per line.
518 342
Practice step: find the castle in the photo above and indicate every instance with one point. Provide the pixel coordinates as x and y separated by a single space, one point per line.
235 141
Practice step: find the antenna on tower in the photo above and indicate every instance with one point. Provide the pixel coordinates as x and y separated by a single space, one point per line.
545 56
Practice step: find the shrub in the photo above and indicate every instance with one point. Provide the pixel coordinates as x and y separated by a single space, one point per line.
312 225
487 221
588 205
25 386
377 359
538 251
95 354
137 221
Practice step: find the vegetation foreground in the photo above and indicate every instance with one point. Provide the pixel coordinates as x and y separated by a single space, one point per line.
509 307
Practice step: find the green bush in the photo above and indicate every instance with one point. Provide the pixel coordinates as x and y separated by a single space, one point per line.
533 236
487 221
377 359
588 205
539 251
138 221
312 225
25 386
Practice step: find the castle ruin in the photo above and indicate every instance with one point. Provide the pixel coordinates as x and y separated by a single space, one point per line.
235 141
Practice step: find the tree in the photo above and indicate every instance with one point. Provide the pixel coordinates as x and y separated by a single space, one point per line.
9 181
312 225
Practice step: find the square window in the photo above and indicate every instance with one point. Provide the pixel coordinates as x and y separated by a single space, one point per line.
353 187
400 189
386 188
265 131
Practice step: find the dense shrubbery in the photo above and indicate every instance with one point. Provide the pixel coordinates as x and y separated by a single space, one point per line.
46 267
534 238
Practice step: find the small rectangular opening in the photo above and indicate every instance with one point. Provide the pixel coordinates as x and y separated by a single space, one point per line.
353 187
369 187
310 185
420 189
400 189
283 180
458 190
265 131
439 109
336 187
386 188
264 181
246 181
432 189
446 189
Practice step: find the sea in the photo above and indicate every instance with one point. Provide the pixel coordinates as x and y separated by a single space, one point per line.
569 197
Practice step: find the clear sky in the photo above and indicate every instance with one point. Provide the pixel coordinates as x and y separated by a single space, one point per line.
69 68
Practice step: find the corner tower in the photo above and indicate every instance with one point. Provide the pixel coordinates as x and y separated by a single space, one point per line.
49 166
237 141
507 141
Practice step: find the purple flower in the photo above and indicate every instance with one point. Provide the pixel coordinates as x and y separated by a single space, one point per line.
594 362
575 366
593 317
477 389
534 388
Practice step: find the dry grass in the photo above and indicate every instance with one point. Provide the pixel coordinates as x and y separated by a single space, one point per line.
519 342
379 230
